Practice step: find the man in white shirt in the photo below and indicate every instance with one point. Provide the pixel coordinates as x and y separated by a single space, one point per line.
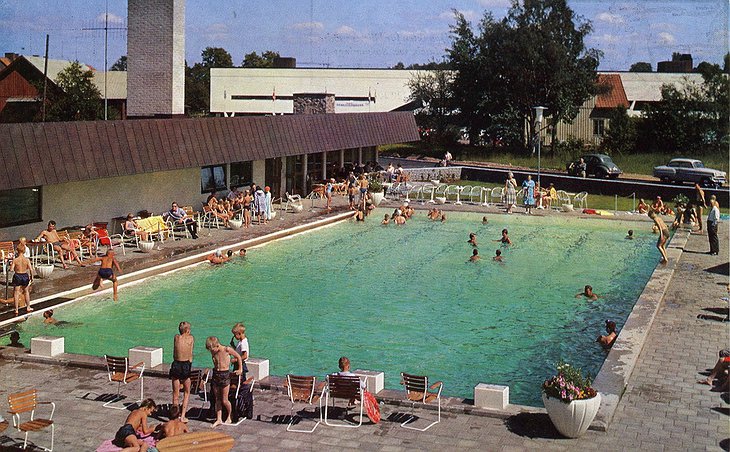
712 218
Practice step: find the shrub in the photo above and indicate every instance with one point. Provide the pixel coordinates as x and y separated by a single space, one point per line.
569 384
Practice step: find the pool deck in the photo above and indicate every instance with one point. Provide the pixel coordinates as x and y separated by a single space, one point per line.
663 408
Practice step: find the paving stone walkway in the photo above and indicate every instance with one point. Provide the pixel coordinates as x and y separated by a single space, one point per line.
664 408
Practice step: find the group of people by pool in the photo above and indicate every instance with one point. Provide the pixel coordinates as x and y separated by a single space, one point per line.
533 196
223 380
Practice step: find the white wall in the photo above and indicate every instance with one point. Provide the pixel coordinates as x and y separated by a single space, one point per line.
79 203
388 88
259 172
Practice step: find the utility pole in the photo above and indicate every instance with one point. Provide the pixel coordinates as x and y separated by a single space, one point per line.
45 82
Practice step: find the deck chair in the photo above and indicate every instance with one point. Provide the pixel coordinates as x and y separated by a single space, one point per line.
301 390
198 381
418 391
119 371
7 252
497 195
293 202
154 226
581 200
563 199
209 218
27 402
342 387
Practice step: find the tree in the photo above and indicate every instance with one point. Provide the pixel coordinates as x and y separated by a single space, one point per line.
399 66
216 57
253 60
120 64
640 66
197 80
79 98
432 91
621 134
534 56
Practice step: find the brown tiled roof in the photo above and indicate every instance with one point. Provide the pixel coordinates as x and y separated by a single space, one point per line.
35 154
615 96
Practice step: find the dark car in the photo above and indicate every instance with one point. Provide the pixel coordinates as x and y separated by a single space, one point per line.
598 165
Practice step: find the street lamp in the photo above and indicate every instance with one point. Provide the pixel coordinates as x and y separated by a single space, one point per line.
538 123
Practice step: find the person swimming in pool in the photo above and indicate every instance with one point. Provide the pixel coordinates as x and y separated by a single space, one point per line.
498 256
630 235
107 272
474 255
588 293
505 240
472 239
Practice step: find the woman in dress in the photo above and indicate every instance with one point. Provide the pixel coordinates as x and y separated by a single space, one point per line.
510 192
528 194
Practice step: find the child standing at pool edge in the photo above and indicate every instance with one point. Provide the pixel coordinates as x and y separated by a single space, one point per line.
221 356
182 354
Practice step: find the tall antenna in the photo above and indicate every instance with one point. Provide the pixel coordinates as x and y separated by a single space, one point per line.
106 51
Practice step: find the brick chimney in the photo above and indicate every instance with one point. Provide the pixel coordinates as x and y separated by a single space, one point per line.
156 58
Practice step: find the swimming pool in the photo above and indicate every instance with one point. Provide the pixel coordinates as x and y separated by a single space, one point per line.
394 299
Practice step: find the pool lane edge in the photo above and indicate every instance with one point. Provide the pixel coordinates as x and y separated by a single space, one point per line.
613 376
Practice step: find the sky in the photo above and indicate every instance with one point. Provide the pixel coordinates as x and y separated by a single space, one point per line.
360 33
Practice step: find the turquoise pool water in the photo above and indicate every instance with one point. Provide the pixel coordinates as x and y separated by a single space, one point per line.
394 299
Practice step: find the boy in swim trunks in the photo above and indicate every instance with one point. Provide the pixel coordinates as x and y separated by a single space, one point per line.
175 426
498 256
126 436
222 376
22 279
588 293
474 255
661 243
182 353
106 271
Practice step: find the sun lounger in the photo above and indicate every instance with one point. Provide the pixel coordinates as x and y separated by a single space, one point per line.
155 226
419 391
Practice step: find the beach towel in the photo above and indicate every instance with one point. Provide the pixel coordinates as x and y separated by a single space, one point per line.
108 446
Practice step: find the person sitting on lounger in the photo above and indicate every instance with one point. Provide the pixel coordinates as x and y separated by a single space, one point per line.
608 340
128 435
643 207
132 228
51 236
179 216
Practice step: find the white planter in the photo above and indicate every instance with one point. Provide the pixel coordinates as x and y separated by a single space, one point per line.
235 224
377 198
572 419
146 247
440 200
44 270
567 207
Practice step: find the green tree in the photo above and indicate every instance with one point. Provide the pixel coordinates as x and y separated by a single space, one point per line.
78 99
399 65
266 59
432 91
197 80
693 116
640 66
120 64
534 56
621 134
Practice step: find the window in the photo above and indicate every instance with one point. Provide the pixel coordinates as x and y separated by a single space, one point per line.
241 174
599 127
20 206
212 178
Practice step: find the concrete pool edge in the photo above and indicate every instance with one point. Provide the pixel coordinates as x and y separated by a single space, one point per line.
75 293
611 380
613 377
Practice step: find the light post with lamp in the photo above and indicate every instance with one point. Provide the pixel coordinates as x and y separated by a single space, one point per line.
538 124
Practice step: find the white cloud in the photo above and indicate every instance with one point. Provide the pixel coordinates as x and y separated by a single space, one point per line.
113 19
666 38
610 18
346 31
495 3
469 15
217 32
607 38
316 26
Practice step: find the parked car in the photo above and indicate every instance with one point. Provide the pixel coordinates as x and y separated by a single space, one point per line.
598 165
690 170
